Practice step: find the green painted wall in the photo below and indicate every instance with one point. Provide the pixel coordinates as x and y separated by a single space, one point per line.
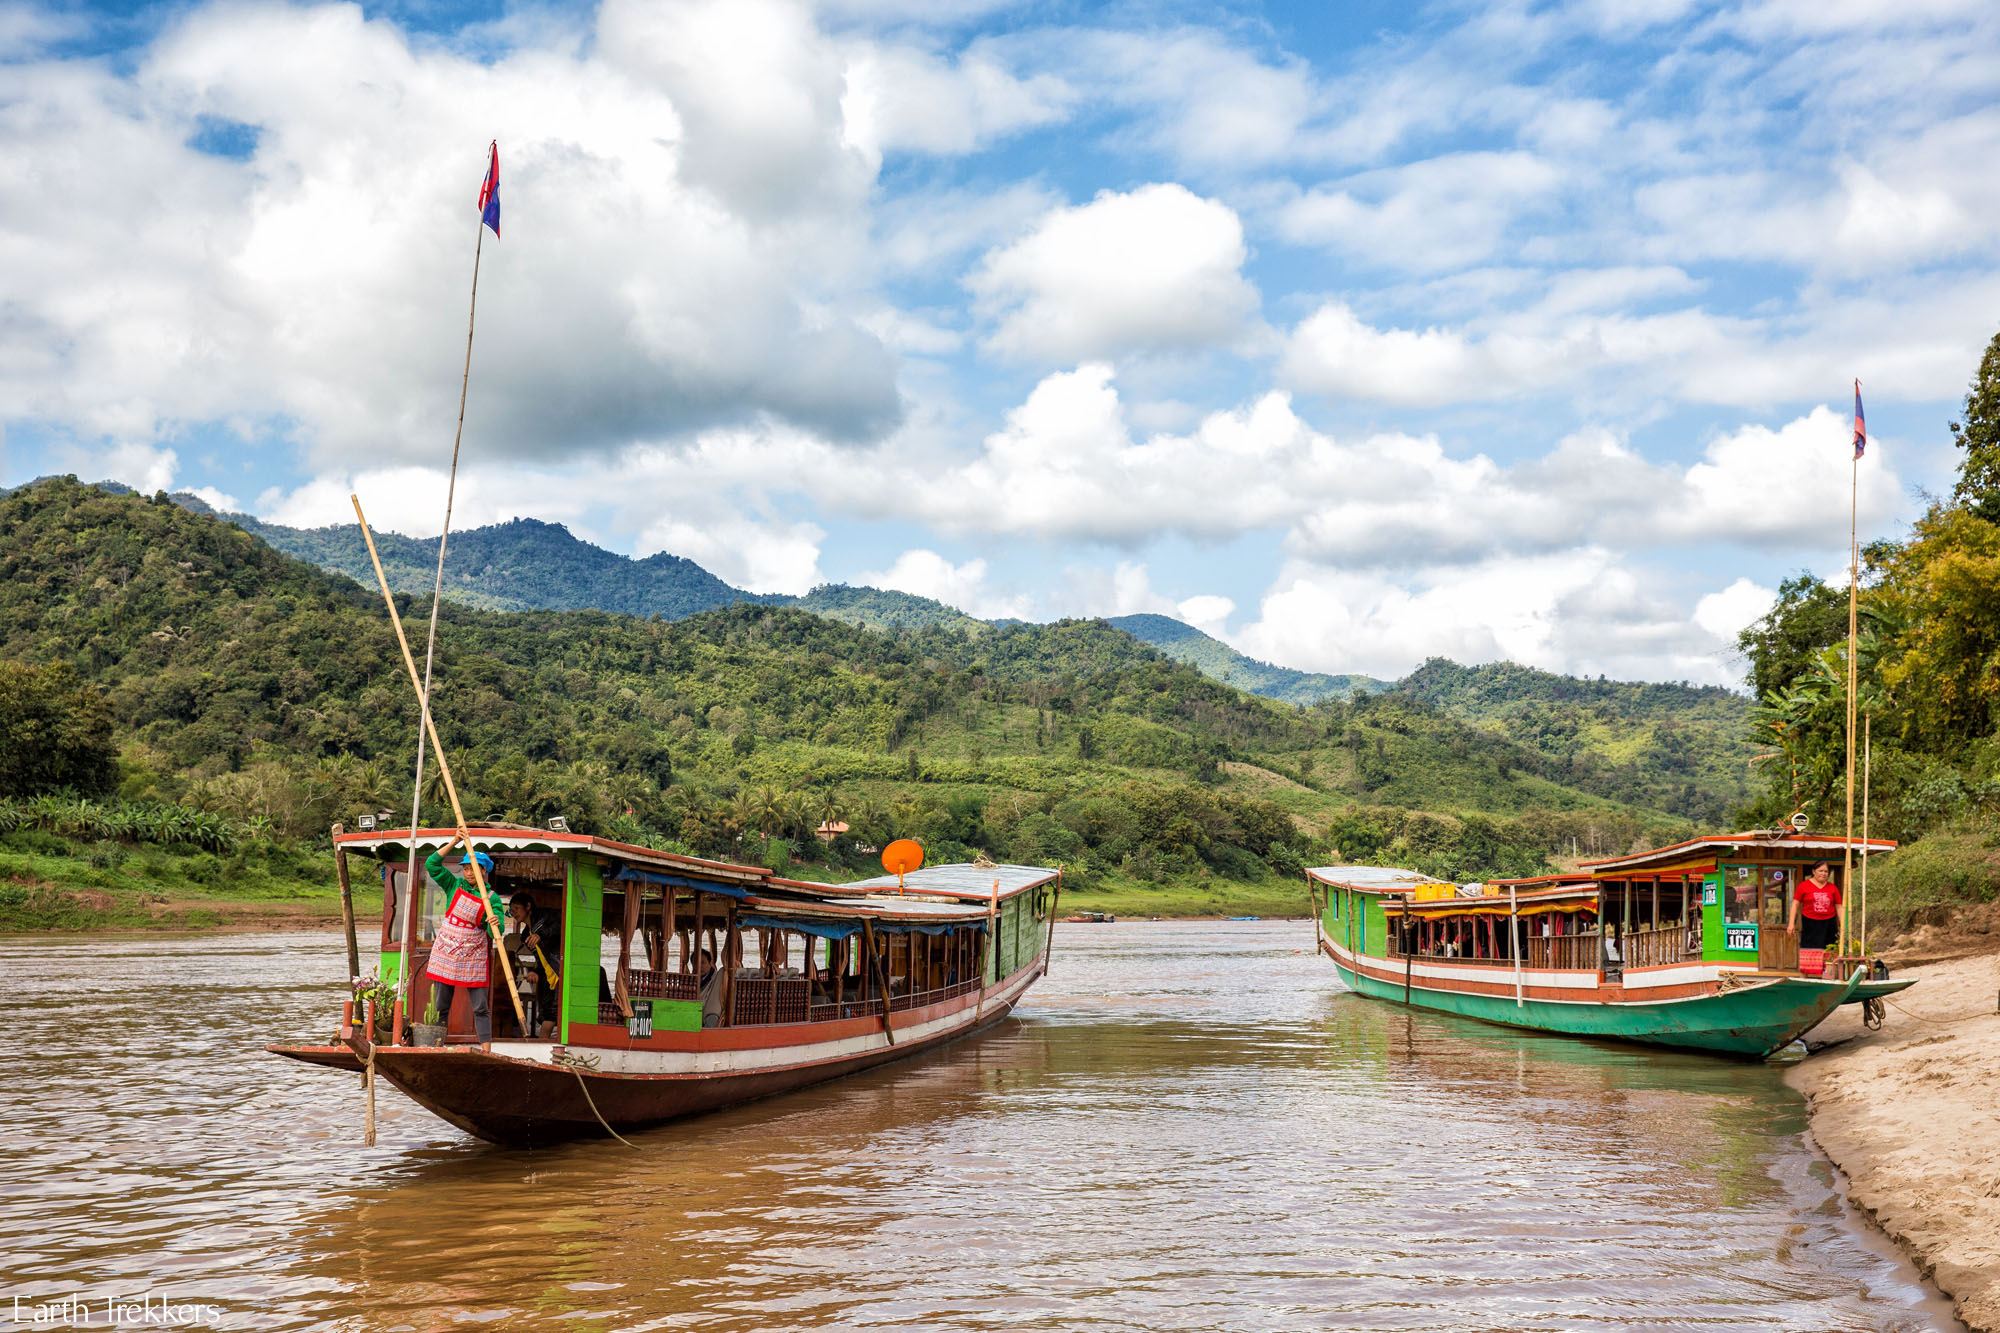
583 924
1712 937
1374 933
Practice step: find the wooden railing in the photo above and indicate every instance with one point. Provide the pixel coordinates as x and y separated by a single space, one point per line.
1654 948
644 985
770 1000
1576 953
918 999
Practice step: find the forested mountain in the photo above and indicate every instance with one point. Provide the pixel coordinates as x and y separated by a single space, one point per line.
1674 746
1218 661
258 687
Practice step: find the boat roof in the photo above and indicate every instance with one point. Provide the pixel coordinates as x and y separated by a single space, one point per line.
1372 879
964 880
935 893
1709 846
514 838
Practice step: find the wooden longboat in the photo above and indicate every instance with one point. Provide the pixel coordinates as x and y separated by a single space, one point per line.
1684 946
820 981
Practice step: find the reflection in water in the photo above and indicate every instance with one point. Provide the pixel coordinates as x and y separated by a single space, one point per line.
1187 1126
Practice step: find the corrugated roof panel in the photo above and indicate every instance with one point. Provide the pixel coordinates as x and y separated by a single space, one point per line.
1385 878
970 881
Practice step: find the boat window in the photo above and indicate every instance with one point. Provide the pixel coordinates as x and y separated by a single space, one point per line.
1739 895
428 911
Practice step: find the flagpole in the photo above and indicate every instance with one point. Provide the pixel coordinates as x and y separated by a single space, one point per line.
1853 605
412 891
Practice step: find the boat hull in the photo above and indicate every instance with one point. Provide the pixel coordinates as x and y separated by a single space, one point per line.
1748 1019
531 1095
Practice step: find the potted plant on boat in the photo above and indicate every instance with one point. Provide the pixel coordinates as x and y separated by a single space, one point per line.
429 1032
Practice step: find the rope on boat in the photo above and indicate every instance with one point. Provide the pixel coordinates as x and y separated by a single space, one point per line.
576 1064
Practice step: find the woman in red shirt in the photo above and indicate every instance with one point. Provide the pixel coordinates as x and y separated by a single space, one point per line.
1818 900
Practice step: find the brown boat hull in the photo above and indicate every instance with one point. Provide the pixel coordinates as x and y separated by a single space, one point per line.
522 1103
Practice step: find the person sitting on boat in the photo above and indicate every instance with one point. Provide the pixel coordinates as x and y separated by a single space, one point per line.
711 990
1818 899
458 953
536 935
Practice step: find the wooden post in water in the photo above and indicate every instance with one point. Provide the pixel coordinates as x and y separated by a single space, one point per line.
1049 950
347 910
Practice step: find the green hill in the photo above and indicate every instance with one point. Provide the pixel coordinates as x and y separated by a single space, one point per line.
1678 747
266 692
1218 661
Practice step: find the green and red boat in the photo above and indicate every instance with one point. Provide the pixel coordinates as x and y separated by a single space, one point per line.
1684 946
671 985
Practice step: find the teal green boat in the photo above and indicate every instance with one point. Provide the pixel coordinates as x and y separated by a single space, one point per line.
1686 946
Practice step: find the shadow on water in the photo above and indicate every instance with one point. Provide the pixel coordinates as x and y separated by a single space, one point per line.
1187 1126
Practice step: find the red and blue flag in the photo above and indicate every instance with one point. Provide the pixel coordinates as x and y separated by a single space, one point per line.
1860 422
489 193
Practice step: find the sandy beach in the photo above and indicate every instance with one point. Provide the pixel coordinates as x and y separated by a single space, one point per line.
1912 1113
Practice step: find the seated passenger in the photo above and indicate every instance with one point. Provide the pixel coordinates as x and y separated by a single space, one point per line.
536 937
711 978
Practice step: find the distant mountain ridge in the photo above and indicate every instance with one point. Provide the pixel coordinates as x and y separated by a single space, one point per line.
1218 661
527 564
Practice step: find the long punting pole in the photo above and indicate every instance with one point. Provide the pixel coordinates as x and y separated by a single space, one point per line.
411 889
444 771
1867 753
1853 607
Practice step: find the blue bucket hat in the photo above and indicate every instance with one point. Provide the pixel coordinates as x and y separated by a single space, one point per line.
485 866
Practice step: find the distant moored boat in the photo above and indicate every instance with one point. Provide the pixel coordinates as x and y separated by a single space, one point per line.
1684 946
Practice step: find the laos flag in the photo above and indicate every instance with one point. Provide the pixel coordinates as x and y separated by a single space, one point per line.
489 191
1860 422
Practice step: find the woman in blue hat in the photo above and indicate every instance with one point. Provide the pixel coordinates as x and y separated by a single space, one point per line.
458 953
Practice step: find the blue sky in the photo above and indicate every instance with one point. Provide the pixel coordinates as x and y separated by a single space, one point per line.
1351 333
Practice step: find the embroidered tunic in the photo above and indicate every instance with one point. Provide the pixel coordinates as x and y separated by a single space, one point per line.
458 953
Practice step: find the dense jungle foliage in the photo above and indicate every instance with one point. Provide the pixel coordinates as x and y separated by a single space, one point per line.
1928 663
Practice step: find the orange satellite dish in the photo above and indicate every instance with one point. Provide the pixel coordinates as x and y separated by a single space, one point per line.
902 856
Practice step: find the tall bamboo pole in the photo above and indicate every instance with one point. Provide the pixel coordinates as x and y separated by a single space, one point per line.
444 771
412 889
1853 620
1867 754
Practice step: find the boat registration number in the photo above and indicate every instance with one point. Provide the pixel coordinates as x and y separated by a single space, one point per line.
640 1024
1740 936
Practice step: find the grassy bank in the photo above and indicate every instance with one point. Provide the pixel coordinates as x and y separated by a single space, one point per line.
52 883
1925 881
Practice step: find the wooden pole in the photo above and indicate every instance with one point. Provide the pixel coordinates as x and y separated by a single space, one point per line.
368 1080
1853 610
1049 949
450 787
1514 939
881 975
1867 753
1406 951
347 909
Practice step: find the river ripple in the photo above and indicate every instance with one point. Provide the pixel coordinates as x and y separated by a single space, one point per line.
1187 1126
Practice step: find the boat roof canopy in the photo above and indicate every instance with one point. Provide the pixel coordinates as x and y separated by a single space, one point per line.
963 880
941 895
1734 846
1373 879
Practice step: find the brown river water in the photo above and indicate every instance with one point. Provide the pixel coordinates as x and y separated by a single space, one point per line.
1187 1126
